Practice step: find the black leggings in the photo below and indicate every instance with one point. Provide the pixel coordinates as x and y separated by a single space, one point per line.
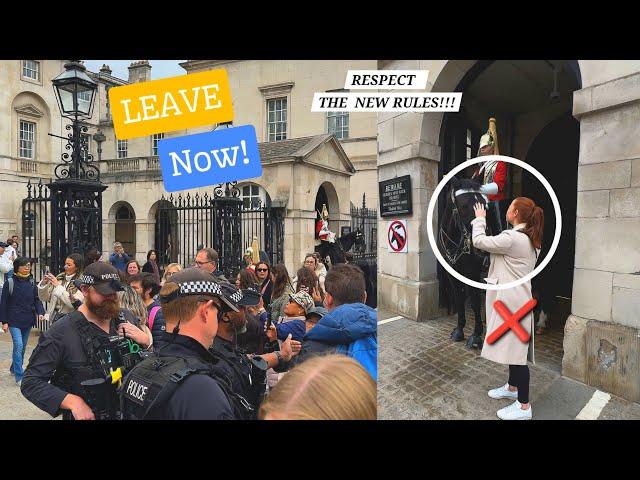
519 378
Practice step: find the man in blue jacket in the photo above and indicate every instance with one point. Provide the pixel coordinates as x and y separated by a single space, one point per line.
350 327
119 257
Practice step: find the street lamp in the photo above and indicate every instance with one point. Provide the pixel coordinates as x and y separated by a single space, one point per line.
75 93
76 192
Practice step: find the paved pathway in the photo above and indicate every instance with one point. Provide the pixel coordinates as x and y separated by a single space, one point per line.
424 375
13 406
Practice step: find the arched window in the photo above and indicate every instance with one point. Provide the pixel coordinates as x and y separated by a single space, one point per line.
124 213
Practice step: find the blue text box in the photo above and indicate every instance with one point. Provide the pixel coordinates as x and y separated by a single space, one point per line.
209 158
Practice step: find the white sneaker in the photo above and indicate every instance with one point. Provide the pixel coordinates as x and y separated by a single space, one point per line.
502 392
515 412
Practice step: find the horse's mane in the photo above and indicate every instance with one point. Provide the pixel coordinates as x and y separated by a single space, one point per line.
468 183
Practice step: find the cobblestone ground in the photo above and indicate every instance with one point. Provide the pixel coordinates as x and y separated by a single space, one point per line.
13 406
423 375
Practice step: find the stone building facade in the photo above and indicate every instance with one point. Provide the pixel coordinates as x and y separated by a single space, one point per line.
601 191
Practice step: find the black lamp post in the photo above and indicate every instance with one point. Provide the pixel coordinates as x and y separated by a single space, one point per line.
76 192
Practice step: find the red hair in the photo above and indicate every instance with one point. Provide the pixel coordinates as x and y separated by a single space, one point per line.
533 216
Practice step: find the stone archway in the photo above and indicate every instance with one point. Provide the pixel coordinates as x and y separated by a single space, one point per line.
165 232
529 114
327 194
123 217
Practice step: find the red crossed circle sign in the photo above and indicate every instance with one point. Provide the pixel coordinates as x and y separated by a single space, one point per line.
397 236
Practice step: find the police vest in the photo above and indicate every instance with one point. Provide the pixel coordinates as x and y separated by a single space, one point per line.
151 383
250 375
105 354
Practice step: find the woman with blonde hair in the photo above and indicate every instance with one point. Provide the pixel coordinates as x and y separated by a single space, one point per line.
513 255
131 301
329 387
170 270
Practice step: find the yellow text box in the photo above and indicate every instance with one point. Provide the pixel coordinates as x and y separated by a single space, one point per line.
171 104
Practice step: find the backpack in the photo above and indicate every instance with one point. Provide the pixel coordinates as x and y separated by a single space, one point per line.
365 351
154 380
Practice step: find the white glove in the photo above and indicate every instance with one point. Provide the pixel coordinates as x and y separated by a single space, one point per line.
489 188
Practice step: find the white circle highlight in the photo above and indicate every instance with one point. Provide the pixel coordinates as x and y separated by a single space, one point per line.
449 268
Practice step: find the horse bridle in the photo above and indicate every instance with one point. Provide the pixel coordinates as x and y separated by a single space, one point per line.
464 246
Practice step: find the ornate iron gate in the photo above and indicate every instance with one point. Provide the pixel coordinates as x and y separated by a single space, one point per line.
184 224
36 228
366 219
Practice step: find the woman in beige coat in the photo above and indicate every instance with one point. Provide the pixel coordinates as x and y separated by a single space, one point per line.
513 255
60 292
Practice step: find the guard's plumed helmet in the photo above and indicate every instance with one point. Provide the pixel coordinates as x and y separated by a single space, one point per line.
491 137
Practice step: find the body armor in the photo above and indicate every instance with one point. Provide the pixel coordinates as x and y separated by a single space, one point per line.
488 171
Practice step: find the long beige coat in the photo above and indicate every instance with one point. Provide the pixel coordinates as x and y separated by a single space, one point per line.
512 257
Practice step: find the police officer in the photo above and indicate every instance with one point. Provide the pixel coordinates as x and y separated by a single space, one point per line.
179 382
247 372
77 348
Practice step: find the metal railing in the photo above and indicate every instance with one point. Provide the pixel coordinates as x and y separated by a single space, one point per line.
365 219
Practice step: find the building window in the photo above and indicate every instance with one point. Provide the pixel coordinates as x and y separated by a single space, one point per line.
154 143
27 139
84 100
122 148
338 124
277 119
469 152
31 69
86 146
251 197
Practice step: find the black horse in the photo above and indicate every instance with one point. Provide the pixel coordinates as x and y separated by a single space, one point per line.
455 244
336 251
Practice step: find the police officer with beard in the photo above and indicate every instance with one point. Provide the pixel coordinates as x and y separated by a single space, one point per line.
247 372
74 349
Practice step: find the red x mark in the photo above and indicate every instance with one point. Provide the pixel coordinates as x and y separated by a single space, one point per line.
511 321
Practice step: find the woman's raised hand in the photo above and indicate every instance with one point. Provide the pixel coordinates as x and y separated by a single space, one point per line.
479 210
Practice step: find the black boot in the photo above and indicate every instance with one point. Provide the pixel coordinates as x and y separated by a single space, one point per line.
475 341
457 335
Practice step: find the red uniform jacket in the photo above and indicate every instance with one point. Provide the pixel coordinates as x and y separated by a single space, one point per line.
500 178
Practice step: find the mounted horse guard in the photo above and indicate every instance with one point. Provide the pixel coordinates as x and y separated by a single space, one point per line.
454 236
323 232
332 250
322 226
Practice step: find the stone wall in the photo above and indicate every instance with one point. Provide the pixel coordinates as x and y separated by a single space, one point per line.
602 334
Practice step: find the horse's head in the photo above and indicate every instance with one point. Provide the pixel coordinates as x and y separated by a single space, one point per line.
464 193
